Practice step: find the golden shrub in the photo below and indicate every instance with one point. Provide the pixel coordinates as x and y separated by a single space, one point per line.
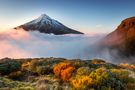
33 65
25 65
128 66
98 61
82 82
64 70
100 75
101 70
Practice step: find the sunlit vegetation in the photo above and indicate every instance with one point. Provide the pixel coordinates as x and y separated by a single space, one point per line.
98 61
62 74
84 71
7 66
123 75
127 66
64 70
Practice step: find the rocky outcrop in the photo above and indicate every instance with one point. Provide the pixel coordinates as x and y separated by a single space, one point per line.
123 38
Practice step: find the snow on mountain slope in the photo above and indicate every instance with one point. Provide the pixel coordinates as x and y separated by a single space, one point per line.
45 24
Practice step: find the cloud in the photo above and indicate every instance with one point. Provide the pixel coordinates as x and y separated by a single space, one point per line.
23 44
99 26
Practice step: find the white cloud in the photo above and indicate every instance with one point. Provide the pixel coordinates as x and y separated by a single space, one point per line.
20 44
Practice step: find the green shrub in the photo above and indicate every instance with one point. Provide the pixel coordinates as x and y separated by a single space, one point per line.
41 70
84 71
15 75
99 79
123 75
9 66
104 77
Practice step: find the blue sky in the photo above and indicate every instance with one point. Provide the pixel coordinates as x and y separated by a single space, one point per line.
100 16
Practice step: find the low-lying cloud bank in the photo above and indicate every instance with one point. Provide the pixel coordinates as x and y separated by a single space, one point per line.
23 44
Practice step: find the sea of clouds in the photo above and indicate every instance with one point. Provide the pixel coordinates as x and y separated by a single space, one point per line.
23 44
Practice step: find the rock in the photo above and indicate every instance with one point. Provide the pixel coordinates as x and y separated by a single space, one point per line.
123 38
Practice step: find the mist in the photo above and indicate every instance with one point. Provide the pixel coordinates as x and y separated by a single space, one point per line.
23 44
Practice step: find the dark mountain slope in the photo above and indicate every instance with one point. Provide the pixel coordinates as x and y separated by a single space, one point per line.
45 24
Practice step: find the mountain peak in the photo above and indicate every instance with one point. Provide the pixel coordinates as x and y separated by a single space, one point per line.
45 24
44 16
127 23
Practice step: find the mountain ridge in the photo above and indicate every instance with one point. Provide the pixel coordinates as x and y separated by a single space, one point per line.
123 38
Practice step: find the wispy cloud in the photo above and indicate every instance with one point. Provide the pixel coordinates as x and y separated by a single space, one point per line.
99 26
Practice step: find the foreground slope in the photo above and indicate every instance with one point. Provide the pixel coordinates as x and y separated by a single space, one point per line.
64 74
45 24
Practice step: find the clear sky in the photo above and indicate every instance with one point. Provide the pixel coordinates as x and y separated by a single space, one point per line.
83 15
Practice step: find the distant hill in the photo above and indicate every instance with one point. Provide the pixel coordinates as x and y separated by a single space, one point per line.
123 38
45 24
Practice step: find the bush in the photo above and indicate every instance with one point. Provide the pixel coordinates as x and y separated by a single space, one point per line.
127 66
99 79
15 75
98 61
100 75
33 66
41 66
82 83
123 76
104 77
45 84
67 73
84 71
64 70
41 70
25 65
9 66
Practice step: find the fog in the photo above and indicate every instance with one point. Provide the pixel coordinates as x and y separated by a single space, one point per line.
23 44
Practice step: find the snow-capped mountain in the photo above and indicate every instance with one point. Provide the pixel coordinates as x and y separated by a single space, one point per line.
45 24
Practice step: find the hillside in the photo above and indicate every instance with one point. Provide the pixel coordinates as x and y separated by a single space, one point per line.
123 38
64 74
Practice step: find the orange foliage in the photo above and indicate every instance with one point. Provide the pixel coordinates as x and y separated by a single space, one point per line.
25 65
126 65
67 73
64 70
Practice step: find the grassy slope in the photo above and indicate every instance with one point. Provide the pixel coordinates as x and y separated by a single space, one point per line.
63 74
